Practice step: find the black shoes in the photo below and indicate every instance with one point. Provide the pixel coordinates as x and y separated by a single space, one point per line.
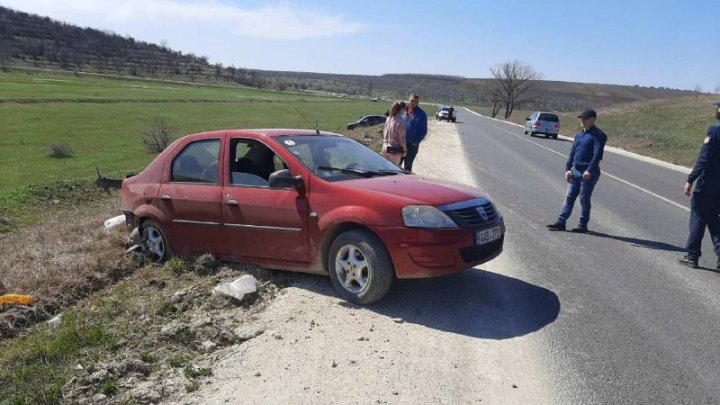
692 261
580 229
559 226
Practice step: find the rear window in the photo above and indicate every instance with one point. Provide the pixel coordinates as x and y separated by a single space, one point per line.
549 117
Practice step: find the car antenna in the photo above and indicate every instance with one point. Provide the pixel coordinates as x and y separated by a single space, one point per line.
317 128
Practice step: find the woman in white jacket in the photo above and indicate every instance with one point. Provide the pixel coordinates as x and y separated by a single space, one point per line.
394 146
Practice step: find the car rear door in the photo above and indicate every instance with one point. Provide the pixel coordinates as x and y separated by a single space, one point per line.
261 222
191 199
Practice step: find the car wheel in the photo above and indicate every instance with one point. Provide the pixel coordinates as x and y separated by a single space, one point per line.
360 267
554 137
154 240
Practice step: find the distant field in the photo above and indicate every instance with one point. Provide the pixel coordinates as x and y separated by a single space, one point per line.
671 130
102 120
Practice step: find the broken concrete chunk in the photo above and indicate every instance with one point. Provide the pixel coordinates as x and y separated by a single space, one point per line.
238 288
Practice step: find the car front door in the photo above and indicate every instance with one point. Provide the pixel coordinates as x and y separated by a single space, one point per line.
261 222
191 199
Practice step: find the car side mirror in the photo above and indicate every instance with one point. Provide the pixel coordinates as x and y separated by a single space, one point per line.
283 179
527 118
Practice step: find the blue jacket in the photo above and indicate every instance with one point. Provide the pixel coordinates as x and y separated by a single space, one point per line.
707 167
416 126
587 150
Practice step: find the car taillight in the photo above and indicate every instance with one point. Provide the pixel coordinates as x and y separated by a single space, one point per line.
557 126
537 124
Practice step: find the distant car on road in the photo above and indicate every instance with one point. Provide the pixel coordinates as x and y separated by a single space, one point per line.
543 123
308 201
367 121
445 112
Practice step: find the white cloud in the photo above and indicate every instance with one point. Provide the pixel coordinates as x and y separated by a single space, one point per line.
280 21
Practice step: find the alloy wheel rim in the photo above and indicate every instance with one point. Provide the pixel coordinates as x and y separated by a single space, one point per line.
154 243
352 268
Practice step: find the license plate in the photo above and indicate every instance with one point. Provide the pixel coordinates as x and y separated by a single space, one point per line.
488 235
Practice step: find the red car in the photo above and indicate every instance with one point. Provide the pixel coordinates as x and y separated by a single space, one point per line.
312 202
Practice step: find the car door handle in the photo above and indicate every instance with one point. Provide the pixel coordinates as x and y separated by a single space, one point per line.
165 197
232 203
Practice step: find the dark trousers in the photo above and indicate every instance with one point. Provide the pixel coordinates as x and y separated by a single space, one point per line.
577 187
704 212
412 151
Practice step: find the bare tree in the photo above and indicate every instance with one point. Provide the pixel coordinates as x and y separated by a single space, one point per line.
717 89
496 99
515 82
698 90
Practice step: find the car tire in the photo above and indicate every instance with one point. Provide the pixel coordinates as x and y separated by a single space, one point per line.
554 136
155 242
360 267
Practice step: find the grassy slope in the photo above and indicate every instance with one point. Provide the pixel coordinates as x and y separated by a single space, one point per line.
102 119
670 130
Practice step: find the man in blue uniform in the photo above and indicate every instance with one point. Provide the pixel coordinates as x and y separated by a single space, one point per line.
582 171
705 203
415 131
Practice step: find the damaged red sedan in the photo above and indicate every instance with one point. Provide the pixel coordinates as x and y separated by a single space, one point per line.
309 201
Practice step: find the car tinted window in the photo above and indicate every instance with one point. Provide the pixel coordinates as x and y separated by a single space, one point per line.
343 154
197 163
549 117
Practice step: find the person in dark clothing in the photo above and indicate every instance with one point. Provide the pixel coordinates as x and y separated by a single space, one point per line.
705 202
416 130
582 171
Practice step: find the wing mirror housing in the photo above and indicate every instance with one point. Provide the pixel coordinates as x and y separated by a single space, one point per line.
527 118
283 179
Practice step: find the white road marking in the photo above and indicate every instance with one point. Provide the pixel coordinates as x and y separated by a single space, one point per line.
635 186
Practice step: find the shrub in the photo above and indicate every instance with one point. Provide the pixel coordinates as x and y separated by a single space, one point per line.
60 150
157 136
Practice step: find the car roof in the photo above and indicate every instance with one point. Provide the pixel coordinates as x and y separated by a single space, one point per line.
269 132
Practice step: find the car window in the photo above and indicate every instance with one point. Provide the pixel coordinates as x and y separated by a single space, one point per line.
335 158
549 117
252 162
197 163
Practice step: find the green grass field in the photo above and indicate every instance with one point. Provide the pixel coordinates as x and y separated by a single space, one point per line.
102 120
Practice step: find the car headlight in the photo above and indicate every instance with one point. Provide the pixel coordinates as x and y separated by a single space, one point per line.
426 216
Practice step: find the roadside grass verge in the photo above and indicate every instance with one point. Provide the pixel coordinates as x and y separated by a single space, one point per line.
127 325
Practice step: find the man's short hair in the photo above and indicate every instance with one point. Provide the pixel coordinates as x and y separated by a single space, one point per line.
414 96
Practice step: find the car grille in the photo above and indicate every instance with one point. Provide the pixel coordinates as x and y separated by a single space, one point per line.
472 217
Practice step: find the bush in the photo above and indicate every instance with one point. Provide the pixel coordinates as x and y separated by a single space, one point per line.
157 136
60 150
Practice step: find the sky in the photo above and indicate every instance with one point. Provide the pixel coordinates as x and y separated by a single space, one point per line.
667 43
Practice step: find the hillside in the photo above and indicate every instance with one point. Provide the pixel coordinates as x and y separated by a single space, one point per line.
33 41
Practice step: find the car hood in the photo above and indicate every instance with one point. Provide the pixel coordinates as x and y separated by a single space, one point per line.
416 189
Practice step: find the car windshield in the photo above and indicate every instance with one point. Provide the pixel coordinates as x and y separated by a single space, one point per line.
335 158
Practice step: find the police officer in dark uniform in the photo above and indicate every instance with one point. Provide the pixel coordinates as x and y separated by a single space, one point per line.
705 203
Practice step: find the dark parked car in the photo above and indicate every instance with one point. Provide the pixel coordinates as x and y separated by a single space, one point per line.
367 121
312 202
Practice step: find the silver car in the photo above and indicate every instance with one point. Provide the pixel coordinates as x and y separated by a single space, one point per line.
543 123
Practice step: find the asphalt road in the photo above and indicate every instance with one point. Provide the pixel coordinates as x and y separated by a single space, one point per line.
629 324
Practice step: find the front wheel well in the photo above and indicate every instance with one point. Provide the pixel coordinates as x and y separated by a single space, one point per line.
333 233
